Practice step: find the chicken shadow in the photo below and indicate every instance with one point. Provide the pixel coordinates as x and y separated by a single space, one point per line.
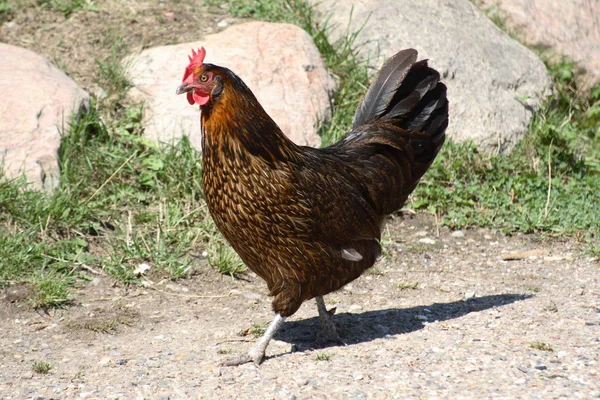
363 327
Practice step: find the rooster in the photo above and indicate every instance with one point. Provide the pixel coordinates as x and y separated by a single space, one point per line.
306 220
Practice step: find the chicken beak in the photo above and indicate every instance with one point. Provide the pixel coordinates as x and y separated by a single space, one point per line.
183 88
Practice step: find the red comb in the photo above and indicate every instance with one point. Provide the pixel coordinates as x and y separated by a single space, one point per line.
196 60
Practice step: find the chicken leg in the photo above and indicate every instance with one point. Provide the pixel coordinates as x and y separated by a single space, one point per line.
330 332
257 352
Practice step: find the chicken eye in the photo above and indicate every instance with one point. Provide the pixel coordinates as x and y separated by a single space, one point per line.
203 78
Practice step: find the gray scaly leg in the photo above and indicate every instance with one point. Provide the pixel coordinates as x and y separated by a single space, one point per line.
329 329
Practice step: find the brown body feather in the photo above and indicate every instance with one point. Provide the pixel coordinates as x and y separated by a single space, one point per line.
308 221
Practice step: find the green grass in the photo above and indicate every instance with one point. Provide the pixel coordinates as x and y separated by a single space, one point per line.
223 258
41 367
122 201
541 346
323 357
594 250
112 75
408 285
50 291
256 330
6 10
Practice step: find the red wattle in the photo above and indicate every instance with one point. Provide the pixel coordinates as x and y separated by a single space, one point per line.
201 98
190 98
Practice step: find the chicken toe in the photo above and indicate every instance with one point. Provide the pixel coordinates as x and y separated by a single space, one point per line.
257 353
237 360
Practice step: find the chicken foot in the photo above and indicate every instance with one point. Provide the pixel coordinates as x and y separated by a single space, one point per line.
257 352
330 331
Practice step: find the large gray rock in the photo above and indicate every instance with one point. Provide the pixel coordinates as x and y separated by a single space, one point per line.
36 104
279 62
571 28
493 81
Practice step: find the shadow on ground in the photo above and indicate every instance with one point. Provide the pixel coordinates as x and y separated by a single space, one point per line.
370 325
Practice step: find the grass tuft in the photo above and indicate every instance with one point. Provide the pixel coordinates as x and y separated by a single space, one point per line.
112 71
41 367
256 330
323 357
223 258
541 346
408 286
50 292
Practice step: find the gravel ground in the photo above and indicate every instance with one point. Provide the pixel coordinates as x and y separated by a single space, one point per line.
441 316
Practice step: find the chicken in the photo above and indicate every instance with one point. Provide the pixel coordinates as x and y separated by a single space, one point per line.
306 220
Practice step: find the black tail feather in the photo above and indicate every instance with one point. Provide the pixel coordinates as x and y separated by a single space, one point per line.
385 87
408 94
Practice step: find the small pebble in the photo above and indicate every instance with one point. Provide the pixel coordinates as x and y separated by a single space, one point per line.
252 295
458 234
359 395
104 361
302 382
153 363
427 241
142 269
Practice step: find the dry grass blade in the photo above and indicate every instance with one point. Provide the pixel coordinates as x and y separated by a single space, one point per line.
111 177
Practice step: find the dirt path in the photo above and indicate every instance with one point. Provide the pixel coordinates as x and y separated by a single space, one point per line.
440 316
